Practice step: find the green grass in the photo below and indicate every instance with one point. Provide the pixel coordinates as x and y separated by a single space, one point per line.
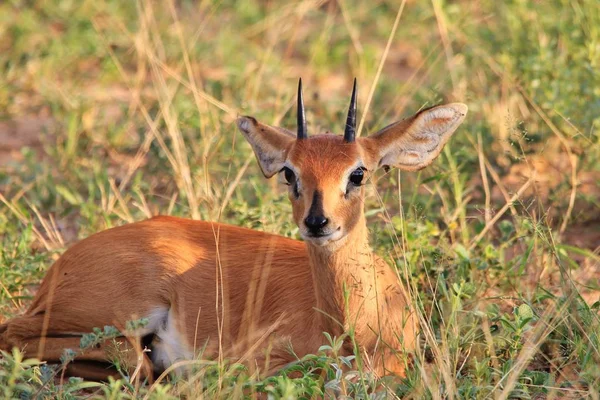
122 110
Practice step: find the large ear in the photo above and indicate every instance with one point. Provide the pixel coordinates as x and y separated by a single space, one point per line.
415 142
270 144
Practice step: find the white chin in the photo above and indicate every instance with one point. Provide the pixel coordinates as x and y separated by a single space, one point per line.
324 240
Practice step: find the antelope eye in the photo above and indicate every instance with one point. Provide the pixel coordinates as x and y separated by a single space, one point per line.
290 178
356 177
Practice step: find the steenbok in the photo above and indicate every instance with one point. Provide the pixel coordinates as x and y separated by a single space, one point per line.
246 295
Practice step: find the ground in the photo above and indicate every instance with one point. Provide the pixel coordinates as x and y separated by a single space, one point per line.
111 112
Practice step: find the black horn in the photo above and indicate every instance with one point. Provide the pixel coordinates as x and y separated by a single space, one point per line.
302 131
350 131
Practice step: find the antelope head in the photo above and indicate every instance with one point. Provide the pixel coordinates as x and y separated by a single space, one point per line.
326 173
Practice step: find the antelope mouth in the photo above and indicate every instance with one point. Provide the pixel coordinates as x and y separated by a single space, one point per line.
323 238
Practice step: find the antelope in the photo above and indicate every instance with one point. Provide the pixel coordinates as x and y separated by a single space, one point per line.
247 295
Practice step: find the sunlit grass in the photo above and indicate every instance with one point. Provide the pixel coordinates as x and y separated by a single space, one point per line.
498 240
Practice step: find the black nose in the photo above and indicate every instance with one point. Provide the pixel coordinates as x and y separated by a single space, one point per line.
315 222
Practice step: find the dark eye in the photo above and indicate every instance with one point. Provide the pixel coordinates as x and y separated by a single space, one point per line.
356 177
290 178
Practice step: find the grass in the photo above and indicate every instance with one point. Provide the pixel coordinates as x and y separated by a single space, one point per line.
115 111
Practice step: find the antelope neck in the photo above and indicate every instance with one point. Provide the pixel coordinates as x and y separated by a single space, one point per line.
349 267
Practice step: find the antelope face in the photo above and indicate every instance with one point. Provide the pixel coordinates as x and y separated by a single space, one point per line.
326 178
326 173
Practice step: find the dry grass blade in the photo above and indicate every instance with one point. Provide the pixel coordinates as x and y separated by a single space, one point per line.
501 212
23 219
352 31
571 156
546 324
443 31
484 180
380 67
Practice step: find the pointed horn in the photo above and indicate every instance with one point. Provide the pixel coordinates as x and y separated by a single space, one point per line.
350 132
302 131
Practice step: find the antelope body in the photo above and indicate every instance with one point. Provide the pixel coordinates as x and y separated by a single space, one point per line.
231 292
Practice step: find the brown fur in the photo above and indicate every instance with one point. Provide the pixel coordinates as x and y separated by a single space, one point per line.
266 286
239 293
169 262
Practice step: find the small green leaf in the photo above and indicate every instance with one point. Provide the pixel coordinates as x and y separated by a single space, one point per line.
524 311
462 252
72 198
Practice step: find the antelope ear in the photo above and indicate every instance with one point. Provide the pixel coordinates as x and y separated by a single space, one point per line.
270 144
414 143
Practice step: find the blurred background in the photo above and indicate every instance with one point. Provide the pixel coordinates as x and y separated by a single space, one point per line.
114 111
